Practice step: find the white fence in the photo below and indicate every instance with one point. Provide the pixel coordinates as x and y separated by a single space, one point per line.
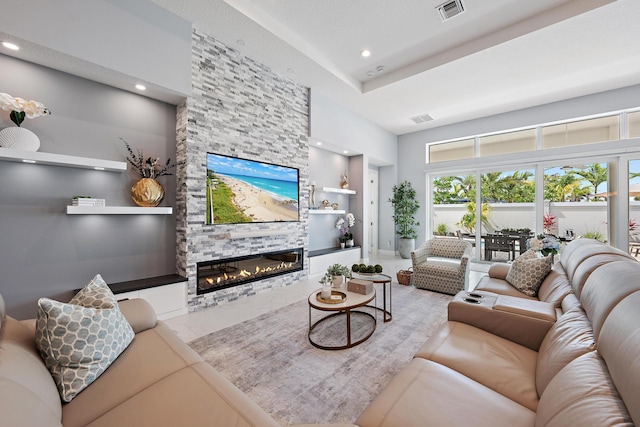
582 217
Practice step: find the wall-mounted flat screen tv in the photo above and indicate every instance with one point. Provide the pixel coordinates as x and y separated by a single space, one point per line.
242 190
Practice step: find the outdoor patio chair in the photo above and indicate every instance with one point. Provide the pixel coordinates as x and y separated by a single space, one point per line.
442 265
499 243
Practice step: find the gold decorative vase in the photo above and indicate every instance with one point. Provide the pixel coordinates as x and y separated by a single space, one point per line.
147 193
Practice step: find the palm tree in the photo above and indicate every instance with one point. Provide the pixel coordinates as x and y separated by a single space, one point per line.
491 186
467 186
565 184
594 174
468 220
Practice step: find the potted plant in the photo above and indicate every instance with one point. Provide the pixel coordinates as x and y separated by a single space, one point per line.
335 275
405 205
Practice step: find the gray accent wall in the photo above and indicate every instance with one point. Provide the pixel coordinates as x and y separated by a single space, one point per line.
238 108
43 251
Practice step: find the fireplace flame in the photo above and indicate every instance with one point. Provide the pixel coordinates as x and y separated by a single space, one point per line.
243 274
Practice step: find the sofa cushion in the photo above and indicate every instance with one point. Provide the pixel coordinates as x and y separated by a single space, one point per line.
79 340
528 271
497 363
555 287
428 394
569 338
582 394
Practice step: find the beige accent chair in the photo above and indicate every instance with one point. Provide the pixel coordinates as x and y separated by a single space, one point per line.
442 265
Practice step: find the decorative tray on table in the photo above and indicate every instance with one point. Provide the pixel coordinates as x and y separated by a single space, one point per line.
336 297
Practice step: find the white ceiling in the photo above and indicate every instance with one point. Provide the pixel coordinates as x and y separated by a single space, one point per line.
497 56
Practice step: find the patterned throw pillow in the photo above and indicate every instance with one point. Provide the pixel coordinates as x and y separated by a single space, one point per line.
528 271
79 340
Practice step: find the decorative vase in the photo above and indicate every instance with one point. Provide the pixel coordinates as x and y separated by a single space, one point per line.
19 139
336 281
350 243
147 192
342 245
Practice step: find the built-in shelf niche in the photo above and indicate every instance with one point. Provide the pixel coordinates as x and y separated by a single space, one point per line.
12 155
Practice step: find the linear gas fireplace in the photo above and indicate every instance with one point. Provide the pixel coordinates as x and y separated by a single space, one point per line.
225 273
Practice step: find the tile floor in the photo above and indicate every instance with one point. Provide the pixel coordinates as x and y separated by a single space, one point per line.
203 322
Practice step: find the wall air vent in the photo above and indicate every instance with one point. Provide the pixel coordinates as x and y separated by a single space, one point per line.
421 119
450 9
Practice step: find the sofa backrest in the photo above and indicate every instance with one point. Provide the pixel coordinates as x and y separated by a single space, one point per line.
600 387
448 248
582 250
555 287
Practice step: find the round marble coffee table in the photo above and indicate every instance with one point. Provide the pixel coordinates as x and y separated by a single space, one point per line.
346 308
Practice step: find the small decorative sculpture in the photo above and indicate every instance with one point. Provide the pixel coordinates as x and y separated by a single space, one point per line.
344 183
335 206
326 204
313 195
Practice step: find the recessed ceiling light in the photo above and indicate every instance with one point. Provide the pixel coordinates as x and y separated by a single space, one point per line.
319 143
291 70
346 152
365 53
380 69
98 168
10 46
369 74
241 42
28 161
140 87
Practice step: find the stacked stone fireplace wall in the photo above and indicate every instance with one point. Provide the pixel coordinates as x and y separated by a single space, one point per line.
240 108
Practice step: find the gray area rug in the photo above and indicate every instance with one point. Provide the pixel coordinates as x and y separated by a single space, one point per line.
271 360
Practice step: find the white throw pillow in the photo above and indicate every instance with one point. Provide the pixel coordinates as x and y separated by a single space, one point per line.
79 340
528 271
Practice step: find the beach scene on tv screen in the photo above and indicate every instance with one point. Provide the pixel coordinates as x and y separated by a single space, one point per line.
240 190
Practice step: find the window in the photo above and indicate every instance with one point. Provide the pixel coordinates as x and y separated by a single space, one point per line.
582 132
462 149
504 143
634 124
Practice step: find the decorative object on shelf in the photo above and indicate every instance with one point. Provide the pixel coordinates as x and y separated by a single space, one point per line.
313 195
335 275
147 192
326 205
335 206
87 201
344 182
20 138
405 205
344 224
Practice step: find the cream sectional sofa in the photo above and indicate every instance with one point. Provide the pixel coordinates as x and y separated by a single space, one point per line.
157 381
585 371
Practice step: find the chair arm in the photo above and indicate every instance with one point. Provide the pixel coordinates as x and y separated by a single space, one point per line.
499 270
419 256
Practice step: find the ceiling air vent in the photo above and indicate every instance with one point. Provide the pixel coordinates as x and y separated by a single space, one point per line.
450 9
421 118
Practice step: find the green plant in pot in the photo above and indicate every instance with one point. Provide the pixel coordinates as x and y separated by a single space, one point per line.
335 275
441 229
405 206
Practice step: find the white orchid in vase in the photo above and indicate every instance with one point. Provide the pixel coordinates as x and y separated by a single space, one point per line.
21 109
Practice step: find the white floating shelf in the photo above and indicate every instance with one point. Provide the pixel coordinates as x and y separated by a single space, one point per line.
326 212
117 210
258 233
338 190
11 155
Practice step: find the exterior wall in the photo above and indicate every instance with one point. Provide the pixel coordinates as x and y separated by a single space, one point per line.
582 217
238 108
